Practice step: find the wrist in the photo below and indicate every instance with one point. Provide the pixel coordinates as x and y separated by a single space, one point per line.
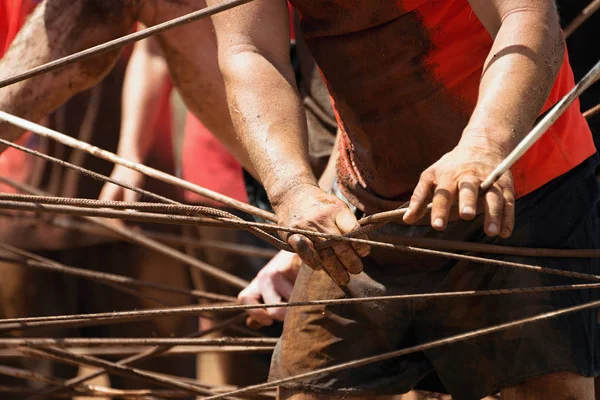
279 194
495 141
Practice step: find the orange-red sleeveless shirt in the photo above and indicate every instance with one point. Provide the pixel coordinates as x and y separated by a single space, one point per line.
404 78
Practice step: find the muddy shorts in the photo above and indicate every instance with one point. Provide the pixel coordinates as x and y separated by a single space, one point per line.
561 214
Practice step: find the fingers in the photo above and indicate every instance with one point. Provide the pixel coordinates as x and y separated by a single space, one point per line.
443 199
251 295
305 250
420 198
508 215
334 267
494 209
468 193
346 222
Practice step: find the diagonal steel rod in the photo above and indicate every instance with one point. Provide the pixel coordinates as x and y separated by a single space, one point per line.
138 238
123 41
83 171
541 127
36 261
80 320
151 172
153 341
427 243
139 216
68 357
167 238
587 12
156 351
418 348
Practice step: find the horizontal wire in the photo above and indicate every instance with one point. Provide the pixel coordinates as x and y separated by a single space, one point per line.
153 341
414 349
150 217
138 238
150 353
35 261
123 41
80 320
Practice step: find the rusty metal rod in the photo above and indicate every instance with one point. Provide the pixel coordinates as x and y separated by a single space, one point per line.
153 352
138 238
67 357
235 223
98 391
587 12
123 41
426 243
80 320
153 341
151 172
66 222
83 171
35 261
414 349
542 126
117 205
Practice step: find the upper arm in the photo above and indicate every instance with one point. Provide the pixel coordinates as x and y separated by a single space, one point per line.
261 26
492 13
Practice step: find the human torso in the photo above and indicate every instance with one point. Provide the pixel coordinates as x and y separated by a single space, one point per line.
404 78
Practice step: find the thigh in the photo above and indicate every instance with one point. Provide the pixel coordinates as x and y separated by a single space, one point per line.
559 386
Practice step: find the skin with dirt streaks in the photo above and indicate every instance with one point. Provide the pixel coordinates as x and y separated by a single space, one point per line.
61 27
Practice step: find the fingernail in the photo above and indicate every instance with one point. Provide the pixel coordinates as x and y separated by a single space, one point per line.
438 223
468 210
493 228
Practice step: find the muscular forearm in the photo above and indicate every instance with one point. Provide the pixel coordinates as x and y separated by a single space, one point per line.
146 80
58 28
518 75
269 119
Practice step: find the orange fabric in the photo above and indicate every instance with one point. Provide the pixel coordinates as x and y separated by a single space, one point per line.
566 144
12 16
14 164
207 163
406 72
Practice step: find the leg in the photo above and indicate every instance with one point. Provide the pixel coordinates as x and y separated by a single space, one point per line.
558 386
55 29
597 386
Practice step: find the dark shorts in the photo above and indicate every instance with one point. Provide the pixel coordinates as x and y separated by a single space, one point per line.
561 214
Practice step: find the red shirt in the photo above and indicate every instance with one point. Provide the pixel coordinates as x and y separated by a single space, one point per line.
14 164
404 77
207 163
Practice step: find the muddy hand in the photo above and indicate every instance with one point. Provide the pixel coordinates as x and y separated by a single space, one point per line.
456 178
308 207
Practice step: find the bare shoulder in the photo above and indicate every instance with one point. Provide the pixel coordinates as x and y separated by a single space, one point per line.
157 11
95 12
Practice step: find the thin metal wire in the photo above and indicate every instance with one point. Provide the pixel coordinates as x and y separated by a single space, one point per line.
123 41
581 18
136 237
81 320
153 341
414 349
68 357
151 172
154 352
35 261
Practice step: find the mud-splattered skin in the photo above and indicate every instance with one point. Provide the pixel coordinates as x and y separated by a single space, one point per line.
61 27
